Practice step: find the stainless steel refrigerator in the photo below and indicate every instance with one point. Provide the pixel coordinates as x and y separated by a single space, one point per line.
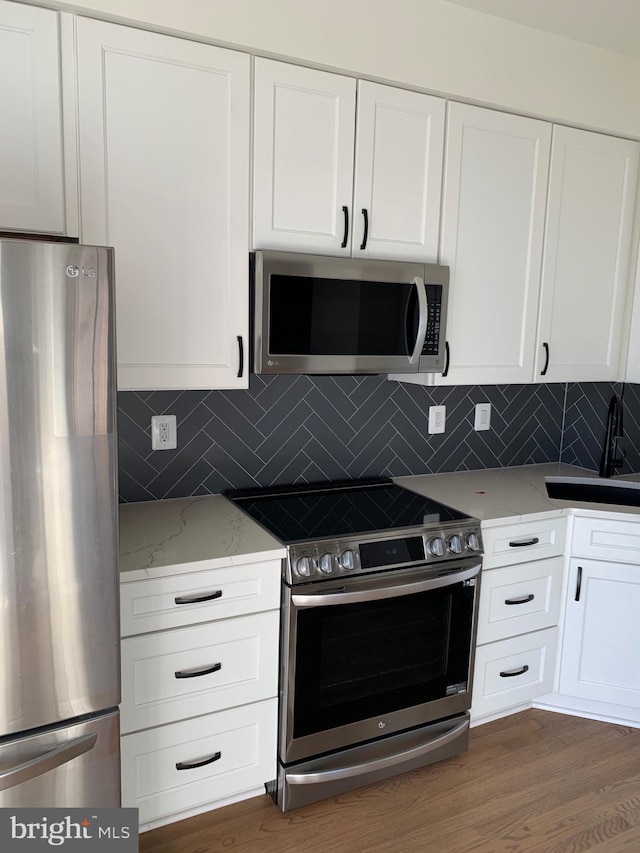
59 635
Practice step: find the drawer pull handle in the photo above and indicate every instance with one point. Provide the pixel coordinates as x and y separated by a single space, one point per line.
196 673
524 542
191 765
196 599
525 600
512 673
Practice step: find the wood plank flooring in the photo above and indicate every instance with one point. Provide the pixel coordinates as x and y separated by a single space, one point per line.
534 782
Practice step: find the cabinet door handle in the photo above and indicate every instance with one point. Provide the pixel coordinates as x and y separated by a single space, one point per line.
196 673
543 372
345 211
525 600
523 543
191 765
240 356
579 583
447 358
365 213
196 599
512 673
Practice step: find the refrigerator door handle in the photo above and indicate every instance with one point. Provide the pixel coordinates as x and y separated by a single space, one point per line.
48 761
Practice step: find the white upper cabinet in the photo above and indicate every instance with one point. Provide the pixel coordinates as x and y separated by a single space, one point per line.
398 174
633 355
592 190
306 198
303 159
164 178
495 186
31 164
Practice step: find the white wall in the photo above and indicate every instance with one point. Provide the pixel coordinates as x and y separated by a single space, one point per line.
428 44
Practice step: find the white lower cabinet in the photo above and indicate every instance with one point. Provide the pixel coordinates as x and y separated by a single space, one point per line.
601 647
520 606
199 689
178 768
514 671
519 599
191 671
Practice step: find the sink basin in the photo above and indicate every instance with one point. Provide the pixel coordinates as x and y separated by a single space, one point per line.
594 490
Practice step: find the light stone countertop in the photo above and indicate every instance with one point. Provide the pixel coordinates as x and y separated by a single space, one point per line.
160 538
494 495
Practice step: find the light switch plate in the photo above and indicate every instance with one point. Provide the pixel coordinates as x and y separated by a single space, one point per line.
437 417
164 432
483 416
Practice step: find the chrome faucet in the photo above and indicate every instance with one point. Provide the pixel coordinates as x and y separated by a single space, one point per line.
613 455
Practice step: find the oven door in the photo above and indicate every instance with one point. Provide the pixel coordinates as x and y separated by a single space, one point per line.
366 657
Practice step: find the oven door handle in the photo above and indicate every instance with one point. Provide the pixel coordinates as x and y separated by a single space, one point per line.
377 764
390 590
423 315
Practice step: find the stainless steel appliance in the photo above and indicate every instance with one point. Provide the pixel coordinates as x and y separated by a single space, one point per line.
59 647
316 314
380 596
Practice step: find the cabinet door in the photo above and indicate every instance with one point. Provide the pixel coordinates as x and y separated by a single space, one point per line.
303 159
164 175
31 172
602 634
592 188
398 174
493 217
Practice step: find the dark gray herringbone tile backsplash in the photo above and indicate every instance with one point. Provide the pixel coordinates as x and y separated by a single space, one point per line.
297 429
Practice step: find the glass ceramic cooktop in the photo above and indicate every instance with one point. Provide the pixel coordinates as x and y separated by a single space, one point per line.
316 511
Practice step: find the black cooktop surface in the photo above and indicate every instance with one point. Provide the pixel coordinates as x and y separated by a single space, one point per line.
317 511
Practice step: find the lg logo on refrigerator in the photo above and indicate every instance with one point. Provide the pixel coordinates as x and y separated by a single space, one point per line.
73 271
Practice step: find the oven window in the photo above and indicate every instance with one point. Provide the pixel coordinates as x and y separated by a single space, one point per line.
364 660
320 316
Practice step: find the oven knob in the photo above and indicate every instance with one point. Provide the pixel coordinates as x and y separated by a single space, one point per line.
436 547
473 542
455 544
348 560
326 563
304 566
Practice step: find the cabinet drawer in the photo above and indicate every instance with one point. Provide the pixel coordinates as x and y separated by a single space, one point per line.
496 685
527 540
154 604
178 674
236 750
519 599
606 540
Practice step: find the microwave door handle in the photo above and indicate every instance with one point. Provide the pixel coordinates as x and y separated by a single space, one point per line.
423 312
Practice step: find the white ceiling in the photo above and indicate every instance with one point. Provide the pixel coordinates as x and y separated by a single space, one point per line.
611 24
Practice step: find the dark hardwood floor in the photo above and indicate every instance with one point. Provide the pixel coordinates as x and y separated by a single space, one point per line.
535 782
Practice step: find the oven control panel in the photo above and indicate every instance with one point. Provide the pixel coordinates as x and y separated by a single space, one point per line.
330 558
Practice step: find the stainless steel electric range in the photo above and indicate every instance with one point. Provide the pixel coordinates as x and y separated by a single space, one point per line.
379 606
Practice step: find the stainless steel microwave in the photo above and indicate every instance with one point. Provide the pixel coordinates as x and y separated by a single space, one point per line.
323 315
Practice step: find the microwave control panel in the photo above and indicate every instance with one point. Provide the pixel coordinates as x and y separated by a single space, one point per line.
434 302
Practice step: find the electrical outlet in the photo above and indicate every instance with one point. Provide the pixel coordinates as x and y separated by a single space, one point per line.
437 417
483 417
164 432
